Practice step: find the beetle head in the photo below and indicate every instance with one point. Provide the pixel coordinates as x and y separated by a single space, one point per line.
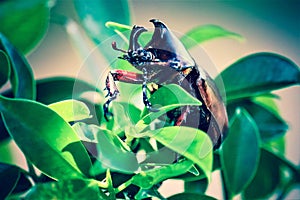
164 49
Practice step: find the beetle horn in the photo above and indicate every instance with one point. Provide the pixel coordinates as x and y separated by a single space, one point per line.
160 36
158 23
164 39
135 33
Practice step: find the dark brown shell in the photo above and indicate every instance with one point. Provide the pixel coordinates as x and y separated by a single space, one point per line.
211 117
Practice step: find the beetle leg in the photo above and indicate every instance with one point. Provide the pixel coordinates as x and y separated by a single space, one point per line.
110 86
113 92
183 116
144 89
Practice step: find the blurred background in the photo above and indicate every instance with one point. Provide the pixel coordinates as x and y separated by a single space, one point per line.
266 25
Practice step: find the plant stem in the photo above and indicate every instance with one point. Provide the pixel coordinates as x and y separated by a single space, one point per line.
123 186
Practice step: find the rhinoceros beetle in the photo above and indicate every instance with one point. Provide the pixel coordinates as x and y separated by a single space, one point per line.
164 60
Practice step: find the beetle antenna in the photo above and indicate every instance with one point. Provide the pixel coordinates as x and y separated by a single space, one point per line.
114 46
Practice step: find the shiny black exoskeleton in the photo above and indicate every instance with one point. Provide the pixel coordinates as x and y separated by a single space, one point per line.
164 60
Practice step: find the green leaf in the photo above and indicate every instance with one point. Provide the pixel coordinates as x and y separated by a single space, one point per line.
197 187
115 154
4 69
24 183
24 34
86 132
112 152
50 90
240 152
258 74
125 115
190 196
119 29
151 193
21 78
270 125
291 167
268 102
71 110
9 176
278 143
54 89
146 179
266 179
66 189
167 98
132 112
205 33
94 15
193 144
173 94
45 138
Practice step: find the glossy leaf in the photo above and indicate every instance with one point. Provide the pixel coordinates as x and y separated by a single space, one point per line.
24 34
124 115
193 175
54 89
45 138
173 94
197 187
50 90
167 97
24 184
258 74
192 143
94 15
240 152
147 179
66 189
9 176
151 193
71 110
119 29
112 152
266 179
205 33
132 112
21 78
268 102
270 125
291 167
190 196
277 144
4 69
217 161
115 154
